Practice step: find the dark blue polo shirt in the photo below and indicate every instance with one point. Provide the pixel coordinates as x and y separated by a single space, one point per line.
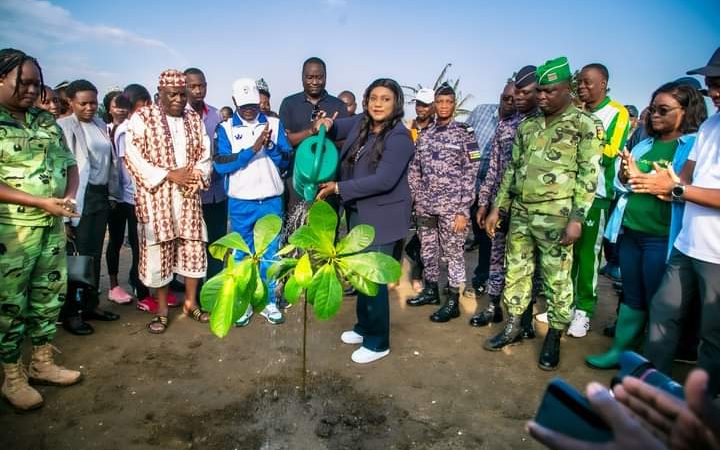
297 113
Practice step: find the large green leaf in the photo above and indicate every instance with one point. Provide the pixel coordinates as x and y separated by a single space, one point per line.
323 220
360 283
211 290
375 266
292 290
221 318
357 239
304 271
326 292
242 301
304 237
243 271
266 229
286 250
229 241
281 268
260 294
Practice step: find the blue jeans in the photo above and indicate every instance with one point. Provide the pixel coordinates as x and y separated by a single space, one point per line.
243 215
642 264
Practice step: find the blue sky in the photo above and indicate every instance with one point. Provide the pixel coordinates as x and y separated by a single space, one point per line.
644 43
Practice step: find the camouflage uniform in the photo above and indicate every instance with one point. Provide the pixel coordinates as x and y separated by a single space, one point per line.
552 179
33 159
442 180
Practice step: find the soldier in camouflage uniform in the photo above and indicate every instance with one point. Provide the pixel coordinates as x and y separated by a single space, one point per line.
38 180
547 189
442 180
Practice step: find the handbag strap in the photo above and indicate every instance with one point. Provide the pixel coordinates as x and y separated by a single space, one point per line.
74 247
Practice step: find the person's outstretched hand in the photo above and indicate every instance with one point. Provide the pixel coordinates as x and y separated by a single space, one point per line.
628 433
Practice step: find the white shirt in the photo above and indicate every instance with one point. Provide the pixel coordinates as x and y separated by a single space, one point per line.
699 237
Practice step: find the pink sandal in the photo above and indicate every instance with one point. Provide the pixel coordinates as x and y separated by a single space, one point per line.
148 304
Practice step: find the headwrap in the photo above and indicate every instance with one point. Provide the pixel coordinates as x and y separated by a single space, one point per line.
554 71
525 76
172 78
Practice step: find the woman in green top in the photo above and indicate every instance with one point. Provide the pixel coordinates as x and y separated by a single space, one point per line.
643 220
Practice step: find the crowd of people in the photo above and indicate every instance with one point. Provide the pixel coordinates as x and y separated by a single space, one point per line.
553 180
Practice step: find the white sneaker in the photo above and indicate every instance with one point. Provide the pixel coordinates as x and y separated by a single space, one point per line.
244 320
364 355
542 317
580 324
273 314
351 337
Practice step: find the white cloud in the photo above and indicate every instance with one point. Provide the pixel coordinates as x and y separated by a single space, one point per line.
38 24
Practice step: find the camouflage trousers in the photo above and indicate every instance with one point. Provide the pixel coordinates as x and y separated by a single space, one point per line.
496 279
439 240
33 277
532 236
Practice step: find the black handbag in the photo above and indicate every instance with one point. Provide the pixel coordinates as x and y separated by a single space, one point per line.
80 268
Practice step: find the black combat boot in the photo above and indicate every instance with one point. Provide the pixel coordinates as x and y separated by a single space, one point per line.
428 296
550 354
509 335
491 314
526 323
450 310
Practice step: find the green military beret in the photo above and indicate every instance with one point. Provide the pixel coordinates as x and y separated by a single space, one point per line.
554 71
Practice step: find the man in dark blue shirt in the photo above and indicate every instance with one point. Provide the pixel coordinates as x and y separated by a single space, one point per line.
299 113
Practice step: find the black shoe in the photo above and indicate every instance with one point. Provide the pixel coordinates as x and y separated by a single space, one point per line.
550 354
509 335
492 314
526 323
428 296
76 326
101 315
451 309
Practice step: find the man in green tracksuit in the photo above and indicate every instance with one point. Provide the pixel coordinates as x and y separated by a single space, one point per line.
547 190
38 180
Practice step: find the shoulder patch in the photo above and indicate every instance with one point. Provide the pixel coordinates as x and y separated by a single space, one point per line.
473 151
600 131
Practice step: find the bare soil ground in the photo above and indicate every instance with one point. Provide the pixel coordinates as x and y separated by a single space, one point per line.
187 389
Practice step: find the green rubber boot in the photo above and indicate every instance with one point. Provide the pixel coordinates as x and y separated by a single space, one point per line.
630 327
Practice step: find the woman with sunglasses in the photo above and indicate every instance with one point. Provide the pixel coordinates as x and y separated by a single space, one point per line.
644 225
373 187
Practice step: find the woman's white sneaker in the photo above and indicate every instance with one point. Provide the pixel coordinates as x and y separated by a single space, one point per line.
351 337
364 355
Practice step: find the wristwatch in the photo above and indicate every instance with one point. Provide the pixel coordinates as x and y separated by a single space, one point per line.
677 192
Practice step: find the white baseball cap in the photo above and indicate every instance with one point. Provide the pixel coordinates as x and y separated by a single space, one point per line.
425 95
245 92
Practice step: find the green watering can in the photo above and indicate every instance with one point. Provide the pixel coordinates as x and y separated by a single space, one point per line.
316 161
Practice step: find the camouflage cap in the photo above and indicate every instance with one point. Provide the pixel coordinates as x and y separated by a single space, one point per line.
554 71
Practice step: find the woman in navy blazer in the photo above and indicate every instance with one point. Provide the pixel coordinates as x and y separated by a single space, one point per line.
372 184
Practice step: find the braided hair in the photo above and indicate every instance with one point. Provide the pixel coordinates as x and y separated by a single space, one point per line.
367 122
11 58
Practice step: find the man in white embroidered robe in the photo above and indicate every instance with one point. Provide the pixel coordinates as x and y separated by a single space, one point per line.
168 155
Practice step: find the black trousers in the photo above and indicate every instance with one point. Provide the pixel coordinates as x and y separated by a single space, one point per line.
685 280
121 215
482 270
89 239
216 220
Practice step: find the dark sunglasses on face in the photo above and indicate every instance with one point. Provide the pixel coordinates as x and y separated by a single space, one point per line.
662 110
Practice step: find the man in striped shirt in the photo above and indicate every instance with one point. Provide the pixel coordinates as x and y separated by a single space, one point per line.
592 90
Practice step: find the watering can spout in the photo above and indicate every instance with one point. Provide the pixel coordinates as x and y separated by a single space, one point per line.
316 161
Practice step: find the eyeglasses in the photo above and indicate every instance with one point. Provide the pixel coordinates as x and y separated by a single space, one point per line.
662 110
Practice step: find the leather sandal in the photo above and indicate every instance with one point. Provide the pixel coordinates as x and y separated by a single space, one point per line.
198 315
158 324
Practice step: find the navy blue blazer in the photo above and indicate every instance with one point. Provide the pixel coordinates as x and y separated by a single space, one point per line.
381 194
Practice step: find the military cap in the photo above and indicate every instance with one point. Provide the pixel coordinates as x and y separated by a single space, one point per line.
554 71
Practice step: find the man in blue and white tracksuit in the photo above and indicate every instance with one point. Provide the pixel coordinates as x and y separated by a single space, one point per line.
250 148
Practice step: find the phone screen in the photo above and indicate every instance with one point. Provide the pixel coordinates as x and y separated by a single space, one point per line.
565 410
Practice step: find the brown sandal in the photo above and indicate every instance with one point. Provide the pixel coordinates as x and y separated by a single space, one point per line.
198 315
162 321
